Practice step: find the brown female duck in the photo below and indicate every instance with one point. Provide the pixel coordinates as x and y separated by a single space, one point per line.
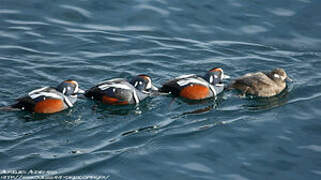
262 84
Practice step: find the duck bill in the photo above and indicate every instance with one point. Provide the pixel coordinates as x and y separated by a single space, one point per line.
289 79
154 88
80 91
226 76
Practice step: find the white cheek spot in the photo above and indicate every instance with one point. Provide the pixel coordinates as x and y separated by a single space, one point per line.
276 75
114 90
211 78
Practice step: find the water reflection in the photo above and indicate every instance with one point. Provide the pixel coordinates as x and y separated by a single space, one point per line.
259 103
142 129
209 104
120 110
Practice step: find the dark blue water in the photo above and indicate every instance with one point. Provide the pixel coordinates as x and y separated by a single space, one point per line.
45 42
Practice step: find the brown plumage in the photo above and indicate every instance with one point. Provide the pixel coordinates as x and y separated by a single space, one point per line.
262 84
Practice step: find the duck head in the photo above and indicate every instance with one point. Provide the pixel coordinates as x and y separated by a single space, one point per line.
215 76
70 88
279 75
143 83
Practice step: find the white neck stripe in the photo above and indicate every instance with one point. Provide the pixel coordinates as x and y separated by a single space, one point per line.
67 101
135 96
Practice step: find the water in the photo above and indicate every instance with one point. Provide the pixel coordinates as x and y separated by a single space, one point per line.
45 42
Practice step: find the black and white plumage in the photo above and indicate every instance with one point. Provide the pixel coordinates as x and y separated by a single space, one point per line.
194 87
120 91
49 99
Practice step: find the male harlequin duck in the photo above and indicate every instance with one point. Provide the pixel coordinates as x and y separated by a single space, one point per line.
119 91
193 87
49 99
261 84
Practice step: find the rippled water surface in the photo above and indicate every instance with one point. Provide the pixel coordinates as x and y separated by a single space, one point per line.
45 42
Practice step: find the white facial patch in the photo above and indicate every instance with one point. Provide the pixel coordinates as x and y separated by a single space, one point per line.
211 78
149 85
276 75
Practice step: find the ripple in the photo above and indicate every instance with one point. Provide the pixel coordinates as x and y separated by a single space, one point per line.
234 177
8 35
34 34
30 50
232 43
113 28
26 22
306 98
81 11
9 11
197 167
282 12
45 42
315 148
21 28
160 11
253 29
317 172
59 21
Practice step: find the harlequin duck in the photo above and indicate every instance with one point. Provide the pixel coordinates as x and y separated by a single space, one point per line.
193 87
261 84
48 99
120 91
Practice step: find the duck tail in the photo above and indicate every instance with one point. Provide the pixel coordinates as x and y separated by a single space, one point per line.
229 87
9 108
